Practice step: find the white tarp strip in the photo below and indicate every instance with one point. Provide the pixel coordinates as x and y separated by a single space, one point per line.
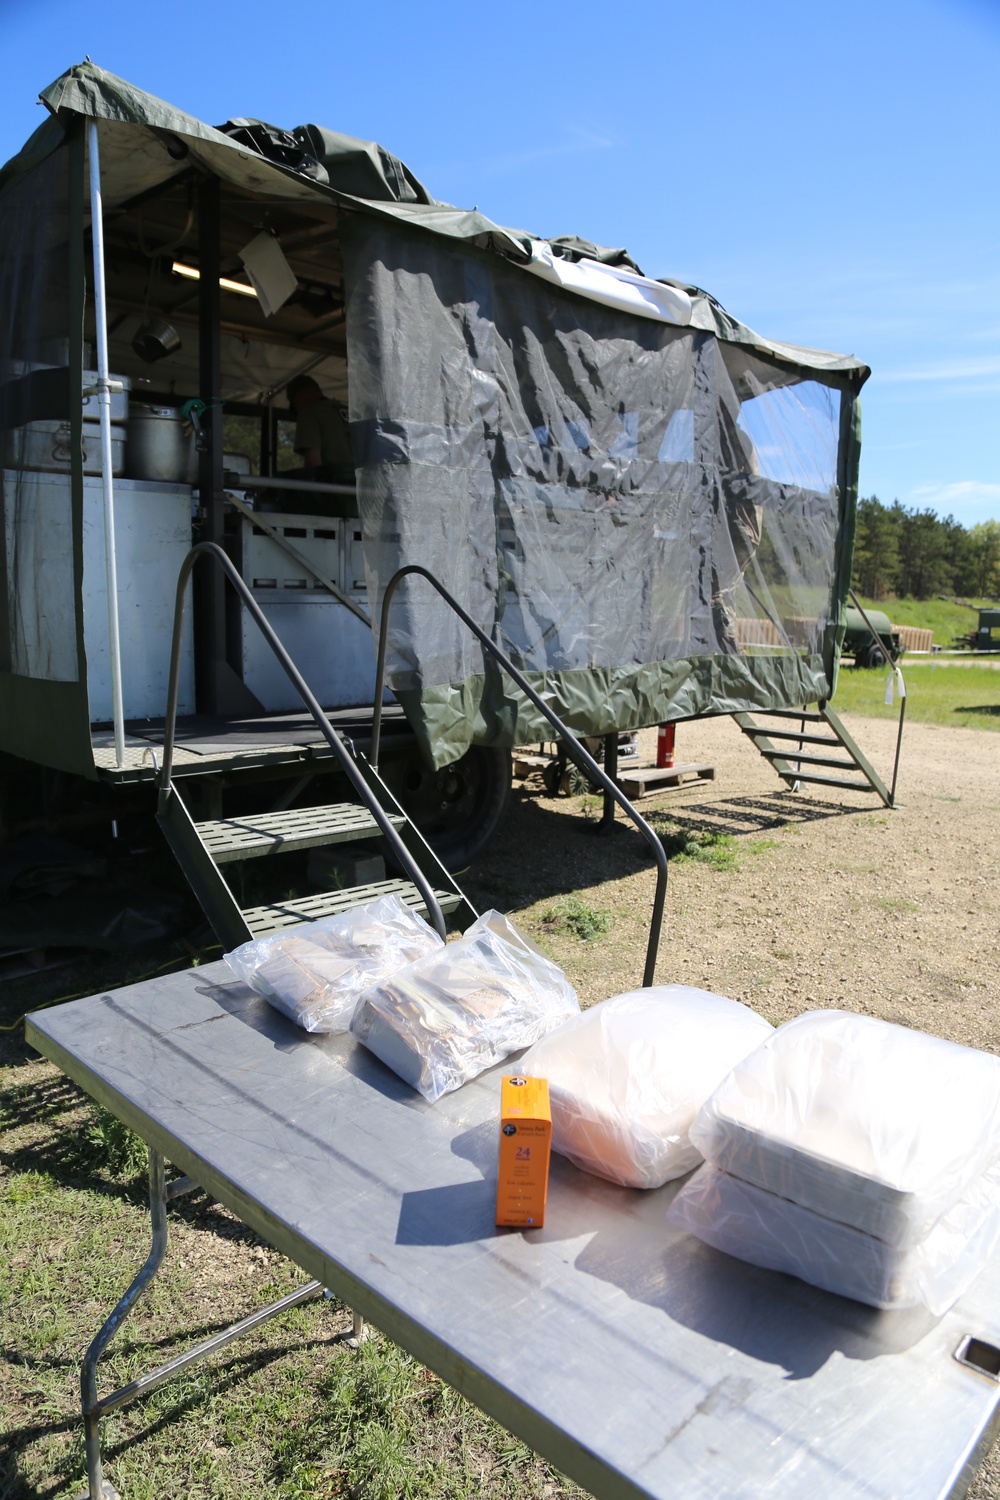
612 286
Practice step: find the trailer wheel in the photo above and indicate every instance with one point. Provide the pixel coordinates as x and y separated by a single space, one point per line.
458 808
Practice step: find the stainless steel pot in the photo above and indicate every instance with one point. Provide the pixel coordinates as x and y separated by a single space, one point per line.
158 446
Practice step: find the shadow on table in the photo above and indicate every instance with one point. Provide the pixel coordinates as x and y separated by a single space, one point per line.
630 1245
239 1001
765 1314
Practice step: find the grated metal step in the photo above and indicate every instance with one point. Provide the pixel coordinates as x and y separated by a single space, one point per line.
276 916
256 835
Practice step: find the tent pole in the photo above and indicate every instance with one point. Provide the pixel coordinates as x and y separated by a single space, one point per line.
104 406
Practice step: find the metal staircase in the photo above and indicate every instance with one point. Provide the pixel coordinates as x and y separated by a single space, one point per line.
203 848
793 751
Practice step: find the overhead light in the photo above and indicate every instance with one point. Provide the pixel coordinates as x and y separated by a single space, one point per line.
193 274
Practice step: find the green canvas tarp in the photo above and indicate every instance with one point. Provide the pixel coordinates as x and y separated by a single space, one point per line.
649 506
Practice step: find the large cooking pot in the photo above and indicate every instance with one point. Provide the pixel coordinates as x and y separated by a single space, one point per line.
158 445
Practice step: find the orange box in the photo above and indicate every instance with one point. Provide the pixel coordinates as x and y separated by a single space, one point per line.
525 1142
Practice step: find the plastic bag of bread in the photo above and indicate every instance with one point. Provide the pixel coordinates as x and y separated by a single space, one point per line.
757 1226
315 972
453 1013
627 1077
862 1121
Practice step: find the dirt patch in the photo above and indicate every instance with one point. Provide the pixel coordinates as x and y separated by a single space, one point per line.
829 897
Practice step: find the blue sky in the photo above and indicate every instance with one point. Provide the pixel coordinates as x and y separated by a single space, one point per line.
829 173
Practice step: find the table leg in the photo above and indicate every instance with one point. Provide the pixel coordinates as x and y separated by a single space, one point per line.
95 1406
98 1487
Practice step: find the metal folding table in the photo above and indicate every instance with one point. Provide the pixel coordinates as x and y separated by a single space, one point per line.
636 1359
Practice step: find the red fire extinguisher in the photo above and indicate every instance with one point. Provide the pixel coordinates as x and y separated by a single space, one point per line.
665 746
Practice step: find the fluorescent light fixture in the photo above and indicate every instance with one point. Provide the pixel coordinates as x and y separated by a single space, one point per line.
193 274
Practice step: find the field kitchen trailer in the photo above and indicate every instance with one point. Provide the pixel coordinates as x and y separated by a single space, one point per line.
644 506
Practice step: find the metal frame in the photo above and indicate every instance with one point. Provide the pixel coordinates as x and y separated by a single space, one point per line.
334 740
104 388
894 668
94 1406
582 756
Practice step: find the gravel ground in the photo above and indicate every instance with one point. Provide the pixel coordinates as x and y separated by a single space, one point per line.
833 900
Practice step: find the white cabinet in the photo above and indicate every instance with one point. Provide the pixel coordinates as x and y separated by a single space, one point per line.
331 647
152 538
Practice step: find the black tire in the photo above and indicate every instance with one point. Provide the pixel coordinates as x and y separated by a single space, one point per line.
869 656
457 809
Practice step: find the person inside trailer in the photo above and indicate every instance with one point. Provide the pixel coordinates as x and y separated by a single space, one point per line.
321 434
323 442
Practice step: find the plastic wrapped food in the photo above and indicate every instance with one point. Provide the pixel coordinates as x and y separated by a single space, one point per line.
315 973
754 1225
872 1124
627 1077
448 1016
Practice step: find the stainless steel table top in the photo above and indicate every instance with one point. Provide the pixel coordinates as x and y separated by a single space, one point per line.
636 1359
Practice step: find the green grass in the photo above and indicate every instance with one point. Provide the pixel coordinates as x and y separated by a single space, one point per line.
946 619
697 845
289 1412
951 693
705 846
574 915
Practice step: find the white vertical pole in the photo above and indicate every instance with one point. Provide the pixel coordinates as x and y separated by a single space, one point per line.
104 405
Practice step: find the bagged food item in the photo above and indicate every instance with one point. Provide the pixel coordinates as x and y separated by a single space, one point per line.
453 1013
627 1077
314 973
757 1226
865 1122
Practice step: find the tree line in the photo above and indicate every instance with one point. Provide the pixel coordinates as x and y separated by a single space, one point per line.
917 553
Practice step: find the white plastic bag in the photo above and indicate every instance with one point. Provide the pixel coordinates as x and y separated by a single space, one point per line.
448 1016
872 1124
315 973
754 1225
627 1077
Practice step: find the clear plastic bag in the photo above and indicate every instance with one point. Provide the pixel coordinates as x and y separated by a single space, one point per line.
865 1122
627 1077
768 1231
315 973
448 1016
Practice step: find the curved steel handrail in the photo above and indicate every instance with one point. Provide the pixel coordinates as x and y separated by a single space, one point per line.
582 756
333 739
902 685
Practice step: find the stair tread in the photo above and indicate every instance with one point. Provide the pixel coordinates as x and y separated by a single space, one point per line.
296 828
791 734
278 915
803 716
802 758
854 786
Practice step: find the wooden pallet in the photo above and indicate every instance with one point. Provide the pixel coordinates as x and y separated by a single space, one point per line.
646 780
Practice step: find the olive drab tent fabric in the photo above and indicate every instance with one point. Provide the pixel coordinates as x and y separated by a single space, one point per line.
650 520
649 506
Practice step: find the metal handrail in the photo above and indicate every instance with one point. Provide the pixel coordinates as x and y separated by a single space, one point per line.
902 690
291 671
581 755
